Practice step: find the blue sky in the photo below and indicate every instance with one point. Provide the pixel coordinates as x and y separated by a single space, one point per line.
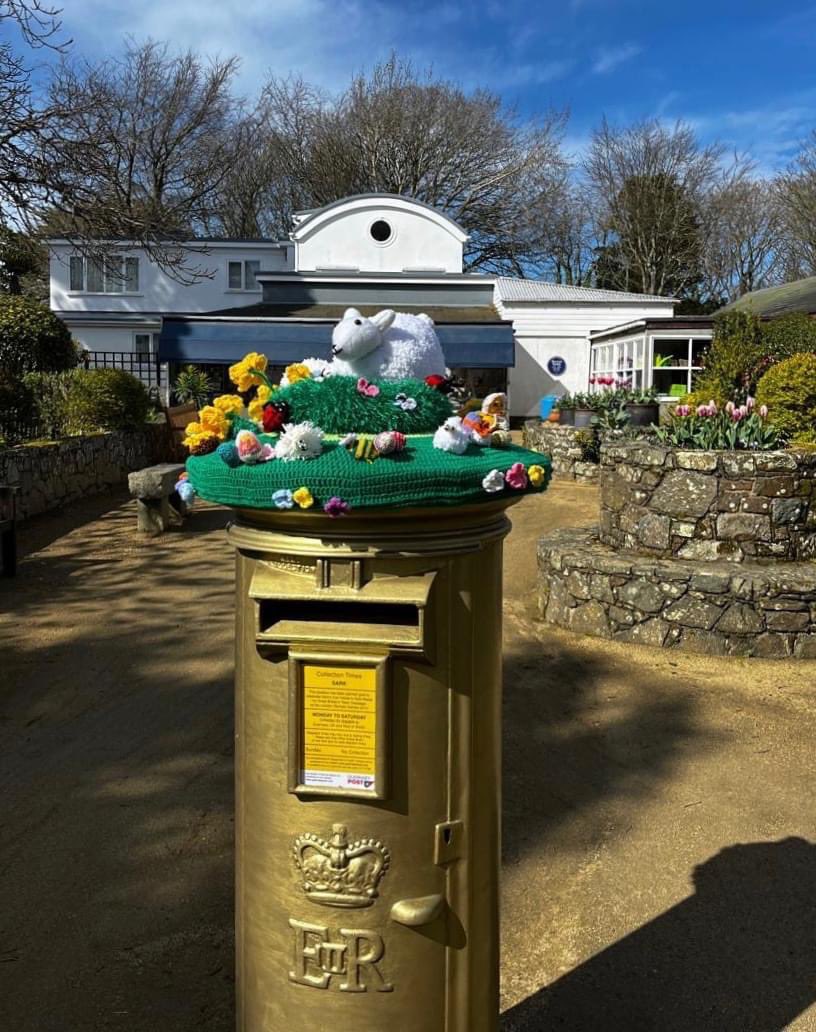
741 72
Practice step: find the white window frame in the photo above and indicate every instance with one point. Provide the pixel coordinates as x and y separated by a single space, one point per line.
689 369
244 263
115 279
622 358
143 333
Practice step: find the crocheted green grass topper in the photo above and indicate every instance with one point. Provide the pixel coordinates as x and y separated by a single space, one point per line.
419 476
340 404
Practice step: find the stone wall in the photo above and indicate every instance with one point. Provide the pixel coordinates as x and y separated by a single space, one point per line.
52 474
708 505
574 452
715 608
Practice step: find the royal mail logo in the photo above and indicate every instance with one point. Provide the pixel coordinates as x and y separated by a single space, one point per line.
347 959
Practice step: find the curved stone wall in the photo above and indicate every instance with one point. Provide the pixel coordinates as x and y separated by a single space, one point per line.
573 452
708 505
716 608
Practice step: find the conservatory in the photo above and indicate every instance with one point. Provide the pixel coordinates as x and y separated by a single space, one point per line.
663 354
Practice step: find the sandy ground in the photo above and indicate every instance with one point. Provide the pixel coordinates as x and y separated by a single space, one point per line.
660 866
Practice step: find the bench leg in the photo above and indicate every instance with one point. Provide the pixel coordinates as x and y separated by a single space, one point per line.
8 551
152 515
178 506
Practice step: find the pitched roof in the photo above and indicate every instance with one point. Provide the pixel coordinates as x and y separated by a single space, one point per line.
512 289
799 296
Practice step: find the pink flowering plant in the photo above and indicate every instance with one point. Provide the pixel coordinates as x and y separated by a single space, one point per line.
731 428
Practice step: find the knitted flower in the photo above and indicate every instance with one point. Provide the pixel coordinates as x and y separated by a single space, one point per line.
516 476
298 371
303 497
282 499
405 403
186 491
336 507
228 404
264 393
202 444
368 390
494 481
214 421
255 409
200 439
536 475
249 371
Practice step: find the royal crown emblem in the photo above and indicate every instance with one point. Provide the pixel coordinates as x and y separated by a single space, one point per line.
339 873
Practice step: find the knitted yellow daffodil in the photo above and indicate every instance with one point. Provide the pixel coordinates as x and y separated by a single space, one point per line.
264 393
249 371
536 475
255 409
303 497
199 439
228 403
214 421
297 371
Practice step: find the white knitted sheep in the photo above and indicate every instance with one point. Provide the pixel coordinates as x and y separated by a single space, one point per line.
388 346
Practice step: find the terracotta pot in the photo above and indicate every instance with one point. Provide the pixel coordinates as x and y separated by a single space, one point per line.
554 416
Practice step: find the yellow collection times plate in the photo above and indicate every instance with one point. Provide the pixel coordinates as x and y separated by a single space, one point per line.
339 727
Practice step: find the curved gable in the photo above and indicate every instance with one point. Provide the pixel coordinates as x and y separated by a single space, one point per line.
378 233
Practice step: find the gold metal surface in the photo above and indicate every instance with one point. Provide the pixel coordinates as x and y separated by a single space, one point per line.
360 910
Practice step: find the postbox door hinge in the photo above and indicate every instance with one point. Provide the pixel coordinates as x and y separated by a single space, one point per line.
449 842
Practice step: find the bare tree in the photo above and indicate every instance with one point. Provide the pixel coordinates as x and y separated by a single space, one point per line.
795 191
742 228
400 132
140 150
24 122
650 183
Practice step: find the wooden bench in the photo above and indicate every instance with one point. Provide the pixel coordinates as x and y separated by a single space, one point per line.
177 419
8 530
157 501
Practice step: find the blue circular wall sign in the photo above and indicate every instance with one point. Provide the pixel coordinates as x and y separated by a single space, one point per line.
557 366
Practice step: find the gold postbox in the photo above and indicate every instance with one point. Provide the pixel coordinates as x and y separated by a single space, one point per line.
367 770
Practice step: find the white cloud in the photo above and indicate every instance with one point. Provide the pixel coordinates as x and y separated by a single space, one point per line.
610 58
322 40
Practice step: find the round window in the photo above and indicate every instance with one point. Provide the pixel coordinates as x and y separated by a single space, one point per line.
380 231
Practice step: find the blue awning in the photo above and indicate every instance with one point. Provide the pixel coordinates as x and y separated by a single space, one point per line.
225 341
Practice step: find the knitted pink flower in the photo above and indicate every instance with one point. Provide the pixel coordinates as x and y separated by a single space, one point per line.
368 390
336 507
516 476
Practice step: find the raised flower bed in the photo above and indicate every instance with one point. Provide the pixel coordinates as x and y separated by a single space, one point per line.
704 549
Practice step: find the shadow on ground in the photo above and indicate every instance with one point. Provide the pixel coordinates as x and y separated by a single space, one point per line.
737 956
576 734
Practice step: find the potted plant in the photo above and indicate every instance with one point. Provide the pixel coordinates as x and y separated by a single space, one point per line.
566 408
585 406
642 407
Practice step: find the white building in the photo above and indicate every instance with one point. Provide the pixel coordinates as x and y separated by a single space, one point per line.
371 251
